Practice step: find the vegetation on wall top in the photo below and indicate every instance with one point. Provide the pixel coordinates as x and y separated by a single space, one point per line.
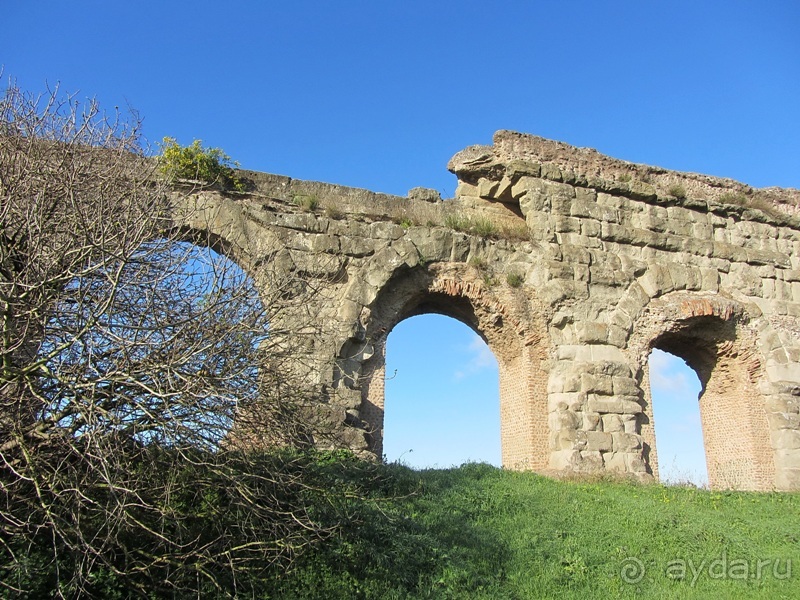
209 165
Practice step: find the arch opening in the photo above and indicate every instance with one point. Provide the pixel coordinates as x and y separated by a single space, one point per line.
452 290
680 451
157 346
442 395
732 414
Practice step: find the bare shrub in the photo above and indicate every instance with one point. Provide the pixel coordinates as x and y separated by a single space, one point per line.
127 357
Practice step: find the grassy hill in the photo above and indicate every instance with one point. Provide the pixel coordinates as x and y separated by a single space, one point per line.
481 532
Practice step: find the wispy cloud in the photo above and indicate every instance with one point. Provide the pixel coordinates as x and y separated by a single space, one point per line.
480 358
671 377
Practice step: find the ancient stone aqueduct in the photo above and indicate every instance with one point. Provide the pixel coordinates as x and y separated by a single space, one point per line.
587 265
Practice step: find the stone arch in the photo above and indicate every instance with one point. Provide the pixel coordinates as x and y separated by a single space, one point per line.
215 222
455 290
212 240
718 340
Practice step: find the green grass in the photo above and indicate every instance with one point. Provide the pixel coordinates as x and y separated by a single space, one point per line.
480 532
481 226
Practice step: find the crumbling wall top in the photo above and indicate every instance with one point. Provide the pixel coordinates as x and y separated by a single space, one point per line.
588 167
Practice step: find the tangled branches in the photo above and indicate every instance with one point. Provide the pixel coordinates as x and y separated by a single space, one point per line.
128 354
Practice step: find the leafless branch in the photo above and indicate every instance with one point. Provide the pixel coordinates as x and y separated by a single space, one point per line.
127 357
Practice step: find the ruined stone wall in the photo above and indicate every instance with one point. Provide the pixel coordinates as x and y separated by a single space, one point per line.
608 261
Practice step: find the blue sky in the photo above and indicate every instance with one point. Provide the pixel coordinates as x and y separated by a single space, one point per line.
380 94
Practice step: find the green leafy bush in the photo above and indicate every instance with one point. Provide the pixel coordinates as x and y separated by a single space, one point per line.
209 165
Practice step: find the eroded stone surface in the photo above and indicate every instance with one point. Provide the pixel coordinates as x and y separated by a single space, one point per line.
613 263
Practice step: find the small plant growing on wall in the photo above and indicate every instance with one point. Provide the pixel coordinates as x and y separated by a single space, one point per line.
195 163
333 212
477 226
678 191
478 262
738 199
514 280
307 203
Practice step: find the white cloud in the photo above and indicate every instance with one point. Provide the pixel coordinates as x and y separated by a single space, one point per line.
671 377
480 358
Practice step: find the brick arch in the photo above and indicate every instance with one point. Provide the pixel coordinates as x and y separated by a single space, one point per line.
716 338
450 289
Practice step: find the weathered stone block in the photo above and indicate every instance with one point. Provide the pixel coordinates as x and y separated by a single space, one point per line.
657 281
576 239
783 421
563 419
792 275
518 169
787 458
585 195
599 441
614 362
581 273
630 424
564 460
617 336
709 279
612 423
436 244
590 421
625 442
604 405
551 172
593 333
562 224
487 188
631 407
634 301
626 386
356 247
422 194
615 462
590 461
503 192
466 189
596 384
563 400
787 479
407 252
564 439
563 382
